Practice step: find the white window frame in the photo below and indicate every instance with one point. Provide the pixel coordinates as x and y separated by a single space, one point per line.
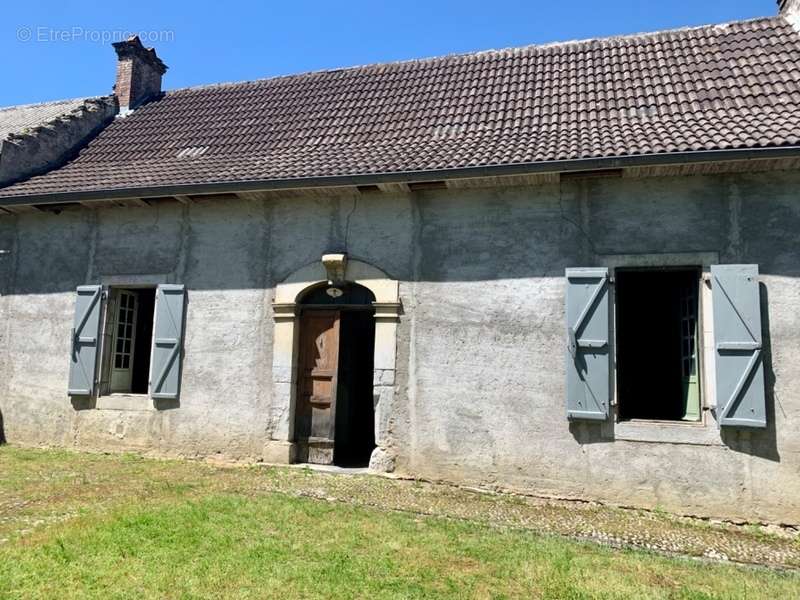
113 321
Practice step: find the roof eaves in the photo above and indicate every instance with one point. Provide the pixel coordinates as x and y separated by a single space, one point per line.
562 166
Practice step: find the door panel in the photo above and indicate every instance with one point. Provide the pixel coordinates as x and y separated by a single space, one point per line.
317 381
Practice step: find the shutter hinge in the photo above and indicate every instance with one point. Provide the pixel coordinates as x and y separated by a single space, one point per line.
572 342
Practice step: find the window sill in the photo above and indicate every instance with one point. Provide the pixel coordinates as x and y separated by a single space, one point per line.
695 433
127 402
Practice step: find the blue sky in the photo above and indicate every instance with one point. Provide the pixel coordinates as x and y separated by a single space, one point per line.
60 49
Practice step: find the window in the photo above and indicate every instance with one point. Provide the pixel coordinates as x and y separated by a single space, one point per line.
137 349
656 341
657 344
127 340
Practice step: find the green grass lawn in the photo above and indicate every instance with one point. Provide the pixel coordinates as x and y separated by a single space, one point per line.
87 526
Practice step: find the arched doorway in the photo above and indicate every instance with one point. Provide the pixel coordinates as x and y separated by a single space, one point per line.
283 445
334 413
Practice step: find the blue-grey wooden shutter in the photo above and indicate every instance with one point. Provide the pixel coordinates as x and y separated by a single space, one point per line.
588 354
85 336
737 340
165 365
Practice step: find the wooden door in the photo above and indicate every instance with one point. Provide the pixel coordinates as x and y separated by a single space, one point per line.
317 380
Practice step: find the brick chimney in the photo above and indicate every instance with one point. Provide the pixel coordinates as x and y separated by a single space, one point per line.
139 72
790 10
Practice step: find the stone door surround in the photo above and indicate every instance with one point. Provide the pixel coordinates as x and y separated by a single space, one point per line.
281 448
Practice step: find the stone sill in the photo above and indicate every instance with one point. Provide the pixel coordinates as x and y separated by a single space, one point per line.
695 433
126 402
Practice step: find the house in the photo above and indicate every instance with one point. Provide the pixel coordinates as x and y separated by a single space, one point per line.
571 269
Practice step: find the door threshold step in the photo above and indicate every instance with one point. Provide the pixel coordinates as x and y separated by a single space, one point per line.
332 469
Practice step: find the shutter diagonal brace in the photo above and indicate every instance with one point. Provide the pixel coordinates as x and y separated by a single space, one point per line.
754 346
589 369
159 380
738 314
77 339
168 363
574 342
737 391
76 331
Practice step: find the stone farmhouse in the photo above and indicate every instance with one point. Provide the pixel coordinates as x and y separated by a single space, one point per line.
571 269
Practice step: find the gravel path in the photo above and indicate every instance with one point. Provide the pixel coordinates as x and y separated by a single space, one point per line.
621 527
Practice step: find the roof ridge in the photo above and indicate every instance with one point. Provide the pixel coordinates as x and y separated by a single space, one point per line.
86 105
476 53
52 102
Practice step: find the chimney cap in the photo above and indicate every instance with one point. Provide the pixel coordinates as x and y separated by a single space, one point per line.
787 5
133 48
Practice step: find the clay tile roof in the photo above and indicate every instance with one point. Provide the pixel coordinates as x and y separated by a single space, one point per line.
732 86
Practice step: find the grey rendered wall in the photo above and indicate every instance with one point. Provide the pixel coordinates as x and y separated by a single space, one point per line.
480 390
485 359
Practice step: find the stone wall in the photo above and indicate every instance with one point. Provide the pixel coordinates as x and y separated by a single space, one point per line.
479 386
49 145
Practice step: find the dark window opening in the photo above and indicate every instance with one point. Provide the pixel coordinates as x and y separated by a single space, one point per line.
657 344
140 378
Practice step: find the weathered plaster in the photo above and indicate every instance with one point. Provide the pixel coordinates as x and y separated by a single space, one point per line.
477 392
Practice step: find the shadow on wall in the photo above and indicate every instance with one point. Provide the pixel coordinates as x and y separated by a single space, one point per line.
760 442
525 233
2 431
590 432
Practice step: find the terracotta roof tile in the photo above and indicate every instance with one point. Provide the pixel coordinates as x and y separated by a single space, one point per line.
707 88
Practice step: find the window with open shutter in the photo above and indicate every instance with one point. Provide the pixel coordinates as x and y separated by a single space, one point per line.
737 339
85 335
588 353
165 365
